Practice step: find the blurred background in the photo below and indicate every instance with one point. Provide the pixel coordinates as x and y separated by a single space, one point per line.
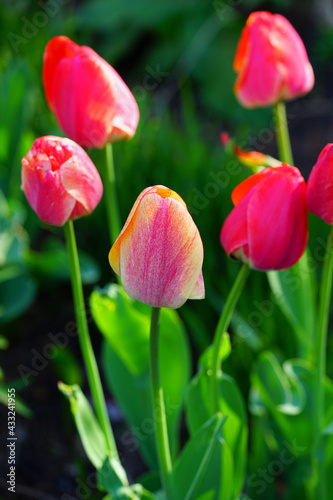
176 57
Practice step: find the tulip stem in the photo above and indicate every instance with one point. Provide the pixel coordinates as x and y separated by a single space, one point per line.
320 373
85 341
222 326
112 209
282 133
161 431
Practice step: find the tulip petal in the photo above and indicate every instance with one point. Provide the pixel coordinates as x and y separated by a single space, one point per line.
87 114
277 220
198 291
161 254
114 254
319 196
297 70
260 79
126 116
80 181
234 234
57 49
244 187
47 196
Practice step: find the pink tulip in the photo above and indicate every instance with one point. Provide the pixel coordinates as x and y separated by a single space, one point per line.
90 100
271 62
319 195
159 252
267 229
59 180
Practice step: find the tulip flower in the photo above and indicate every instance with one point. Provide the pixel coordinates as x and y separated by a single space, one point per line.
60 181
267 229
91 102
159 252
319 195
271 62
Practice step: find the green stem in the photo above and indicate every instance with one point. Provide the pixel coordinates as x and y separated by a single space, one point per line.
161 431
112 209
321 341
222 326
282 133
85 342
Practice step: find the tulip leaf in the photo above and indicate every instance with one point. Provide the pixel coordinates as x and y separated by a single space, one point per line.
125 324
326 454
287 392
294 291
199 408
90 432
204 468
113 479
112 476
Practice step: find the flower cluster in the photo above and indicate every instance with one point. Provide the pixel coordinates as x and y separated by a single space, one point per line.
159 253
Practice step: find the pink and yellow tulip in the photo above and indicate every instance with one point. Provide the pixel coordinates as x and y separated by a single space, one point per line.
159 252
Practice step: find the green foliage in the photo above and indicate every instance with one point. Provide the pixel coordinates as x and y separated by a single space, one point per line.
199 408
17 287
125 325
91 435
295 292
205 467
286 391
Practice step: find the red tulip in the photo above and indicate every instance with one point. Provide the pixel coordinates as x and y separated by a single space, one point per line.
319 195
271 62
267 229
159 252
91 102
59 180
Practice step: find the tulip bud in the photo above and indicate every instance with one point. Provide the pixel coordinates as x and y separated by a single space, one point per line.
159 252
91 102
271 62
319 195
267 229
59 180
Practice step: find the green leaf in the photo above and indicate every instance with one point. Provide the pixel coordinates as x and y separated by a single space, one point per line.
113 479
225 350
294 291
91 434
204 469
112 476
125 325
326 454
287 393
199 408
